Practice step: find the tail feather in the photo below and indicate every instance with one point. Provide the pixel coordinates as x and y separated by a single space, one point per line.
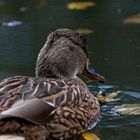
20 129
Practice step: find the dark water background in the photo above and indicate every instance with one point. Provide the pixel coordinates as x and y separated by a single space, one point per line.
114 49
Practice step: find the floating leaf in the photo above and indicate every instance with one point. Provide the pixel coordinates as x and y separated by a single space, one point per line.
107 98
84 31
90 136
133 19
128 109
23 9
41 4
12 23
80 5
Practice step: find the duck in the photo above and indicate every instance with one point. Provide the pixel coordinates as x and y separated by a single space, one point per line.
56 103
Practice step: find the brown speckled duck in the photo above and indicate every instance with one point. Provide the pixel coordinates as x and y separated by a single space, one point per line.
55 104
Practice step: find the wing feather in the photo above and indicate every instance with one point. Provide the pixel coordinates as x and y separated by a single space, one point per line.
34 110
32 98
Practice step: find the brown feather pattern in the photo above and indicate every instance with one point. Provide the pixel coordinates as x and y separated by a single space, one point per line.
76 107
55 104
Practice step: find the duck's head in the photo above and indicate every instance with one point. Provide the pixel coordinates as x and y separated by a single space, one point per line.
65 55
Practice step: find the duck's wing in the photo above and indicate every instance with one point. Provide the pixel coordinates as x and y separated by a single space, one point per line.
34 99
34 110
17 100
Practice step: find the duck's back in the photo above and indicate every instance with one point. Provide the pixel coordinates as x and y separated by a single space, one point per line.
44 101
55 92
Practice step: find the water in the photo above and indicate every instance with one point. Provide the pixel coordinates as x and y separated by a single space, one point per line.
114 49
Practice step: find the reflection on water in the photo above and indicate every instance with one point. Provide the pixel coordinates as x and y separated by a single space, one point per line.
120 124
113 48
117 125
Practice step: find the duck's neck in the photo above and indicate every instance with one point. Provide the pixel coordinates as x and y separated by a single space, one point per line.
63 59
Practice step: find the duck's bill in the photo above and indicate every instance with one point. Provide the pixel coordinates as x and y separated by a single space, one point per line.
92 75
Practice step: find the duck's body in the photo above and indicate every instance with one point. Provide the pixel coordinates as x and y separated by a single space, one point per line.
72 107
56 103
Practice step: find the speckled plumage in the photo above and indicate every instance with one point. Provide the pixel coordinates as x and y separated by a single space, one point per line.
56 104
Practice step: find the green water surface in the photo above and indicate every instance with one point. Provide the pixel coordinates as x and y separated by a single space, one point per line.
114 50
